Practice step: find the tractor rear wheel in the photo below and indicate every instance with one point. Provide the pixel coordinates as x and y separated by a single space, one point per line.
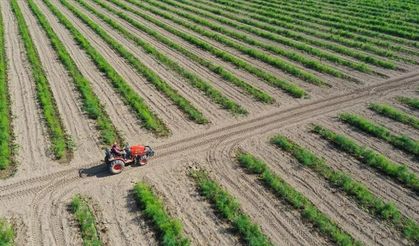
116 166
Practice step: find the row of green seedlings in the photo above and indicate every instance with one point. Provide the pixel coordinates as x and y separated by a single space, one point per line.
307 62
400 31
128 95
290 88
205 11
61 143
397 172
374 205
367 17
196 81
90 102
409 101
341 36
256 93
402 142
7 233
308 211
86 220
182 103
169 230
229 208
284 28
262 56
6 131
395 114
328 23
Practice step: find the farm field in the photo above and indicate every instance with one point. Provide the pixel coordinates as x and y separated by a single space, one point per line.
273 122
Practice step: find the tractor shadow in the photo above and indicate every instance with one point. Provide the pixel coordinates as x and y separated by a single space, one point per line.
99 171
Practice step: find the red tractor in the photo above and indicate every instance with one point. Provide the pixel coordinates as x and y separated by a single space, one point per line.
136 154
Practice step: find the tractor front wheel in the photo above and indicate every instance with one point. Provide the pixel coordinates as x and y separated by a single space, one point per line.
116 166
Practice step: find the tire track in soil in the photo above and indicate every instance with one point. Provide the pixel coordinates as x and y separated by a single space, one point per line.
75 122
27 123
165 109
262 124
278 221
338 207
379 185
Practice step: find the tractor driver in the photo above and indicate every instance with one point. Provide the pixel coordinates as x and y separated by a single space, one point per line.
117 151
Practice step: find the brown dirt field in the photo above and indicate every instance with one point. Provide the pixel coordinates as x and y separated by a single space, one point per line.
36 199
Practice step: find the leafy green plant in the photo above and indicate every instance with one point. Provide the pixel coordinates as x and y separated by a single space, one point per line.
371 158
399 141
290 88
91 103
128 95
6 132
60 142
395 114
193 79
161 85
86 220
409 101
308 211
7 234
352 188
229 208
169 229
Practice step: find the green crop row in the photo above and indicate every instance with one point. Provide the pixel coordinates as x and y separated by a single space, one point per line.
371 158
192 78
128 95
7 233
225 74
283 28
307 62
290 88
328 23
91 103
334 16
229 208
409 101
395 114
162 86
61 144
86 220
217 15
336 35
402 142
309 212
6 131
169 229
365 198
262 56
